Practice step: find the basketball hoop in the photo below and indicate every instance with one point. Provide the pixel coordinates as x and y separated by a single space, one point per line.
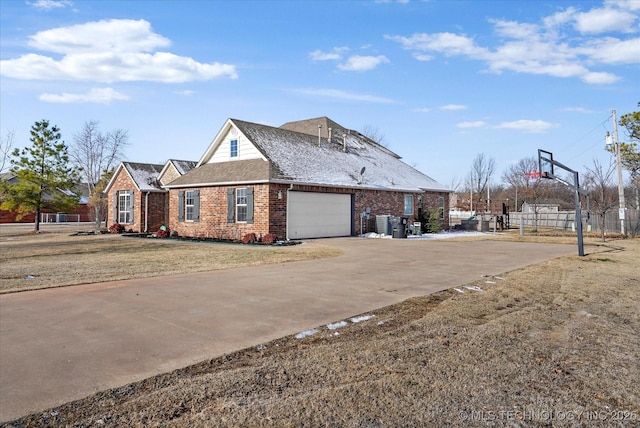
532 177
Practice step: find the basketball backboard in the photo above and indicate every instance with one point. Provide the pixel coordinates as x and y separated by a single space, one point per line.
545 163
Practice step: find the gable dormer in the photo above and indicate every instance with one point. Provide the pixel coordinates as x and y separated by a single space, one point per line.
230 145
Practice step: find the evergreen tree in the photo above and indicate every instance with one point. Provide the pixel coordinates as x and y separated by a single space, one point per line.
44 177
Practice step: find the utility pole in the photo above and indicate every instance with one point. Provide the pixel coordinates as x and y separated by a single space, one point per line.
621 212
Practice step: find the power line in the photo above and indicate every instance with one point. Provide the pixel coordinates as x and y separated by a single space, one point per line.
579 139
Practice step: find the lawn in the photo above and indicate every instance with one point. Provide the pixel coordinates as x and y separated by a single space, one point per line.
554 343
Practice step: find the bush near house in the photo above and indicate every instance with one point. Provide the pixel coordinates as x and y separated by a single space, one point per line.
269 239
116 228
163 232
249 238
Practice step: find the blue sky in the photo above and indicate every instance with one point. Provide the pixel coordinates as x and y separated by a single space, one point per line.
441 80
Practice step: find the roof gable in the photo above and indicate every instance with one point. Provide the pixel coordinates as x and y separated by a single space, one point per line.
173 169
143 175
219 149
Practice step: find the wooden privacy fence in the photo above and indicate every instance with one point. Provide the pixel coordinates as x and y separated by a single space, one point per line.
591 221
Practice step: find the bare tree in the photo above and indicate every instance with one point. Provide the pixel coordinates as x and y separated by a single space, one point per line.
374 133
602 193
482 169
6 145
97 154
516 176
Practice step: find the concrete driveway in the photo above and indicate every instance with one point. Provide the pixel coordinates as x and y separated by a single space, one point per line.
63 344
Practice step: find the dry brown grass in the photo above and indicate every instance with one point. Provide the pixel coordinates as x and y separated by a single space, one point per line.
551 344
46 260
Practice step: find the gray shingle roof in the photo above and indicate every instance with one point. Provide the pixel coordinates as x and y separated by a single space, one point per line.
183 166
247 171
297 157
145 175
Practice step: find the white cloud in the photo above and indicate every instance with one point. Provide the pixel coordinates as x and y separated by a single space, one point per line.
363 62
334 54
453 107
551 47
422 110
475 124
422 57
95 95
112 35
578 110
109 51
533 126
606 19
185 92
611 50
50 4
343 95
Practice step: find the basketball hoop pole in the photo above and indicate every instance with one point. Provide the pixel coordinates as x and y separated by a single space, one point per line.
547 157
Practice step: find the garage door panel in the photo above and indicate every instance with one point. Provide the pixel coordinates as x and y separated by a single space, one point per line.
318 215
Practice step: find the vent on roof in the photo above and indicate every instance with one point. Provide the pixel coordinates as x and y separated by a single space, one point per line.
153 181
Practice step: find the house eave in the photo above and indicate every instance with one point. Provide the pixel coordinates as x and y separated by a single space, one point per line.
216 184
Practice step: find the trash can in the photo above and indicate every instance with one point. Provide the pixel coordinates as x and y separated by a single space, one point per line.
399 226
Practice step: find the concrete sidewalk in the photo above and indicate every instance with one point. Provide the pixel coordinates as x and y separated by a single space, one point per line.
63 344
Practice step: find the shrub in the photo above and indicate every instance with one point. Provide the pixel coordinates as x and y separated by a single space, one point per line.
269 239
163 232
249 238
116 228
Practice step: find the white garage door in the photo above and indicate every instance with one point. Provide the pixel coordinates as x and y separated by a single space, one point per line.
318 215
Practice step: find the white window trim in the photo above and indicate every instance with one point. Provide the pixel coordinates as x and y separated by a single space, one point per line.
404 209
238 205
231 155
124 208
187 205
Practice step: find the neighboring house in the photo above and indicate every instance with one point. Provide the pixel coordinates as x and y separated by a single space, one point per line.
306 179
81 213
136 197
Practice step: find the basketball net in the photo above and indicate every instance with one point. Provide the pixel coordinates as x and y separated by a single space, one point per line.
532 177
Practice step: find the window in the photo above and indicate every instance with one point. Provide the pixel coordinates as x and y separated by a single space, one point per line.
241 205
189 205
189 201
233 148
441 207
408 204
125 206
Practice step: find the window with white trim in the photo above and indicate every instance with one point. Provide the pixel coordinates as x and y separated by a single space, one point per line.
441 207
241 205
125 207
233 148
189 205
408 204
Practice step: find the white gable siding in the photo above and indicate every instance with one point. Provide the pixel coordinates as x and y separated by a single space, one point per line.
246 150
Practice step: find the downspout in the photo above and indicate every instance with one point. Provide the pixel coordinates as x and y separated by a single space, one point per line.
146 212
287 212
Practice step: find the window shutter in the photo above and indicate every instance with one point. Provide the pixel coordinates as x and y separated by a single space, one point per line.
115 206
196 205
250 205
132 203
231 205
181 205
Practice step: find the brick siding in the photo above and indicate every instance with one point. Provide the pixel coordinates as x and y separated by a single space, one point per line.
270 209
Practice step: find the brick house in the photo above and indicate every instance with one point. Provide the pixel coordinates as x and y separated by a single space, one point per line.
81 213
305 179
136 197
